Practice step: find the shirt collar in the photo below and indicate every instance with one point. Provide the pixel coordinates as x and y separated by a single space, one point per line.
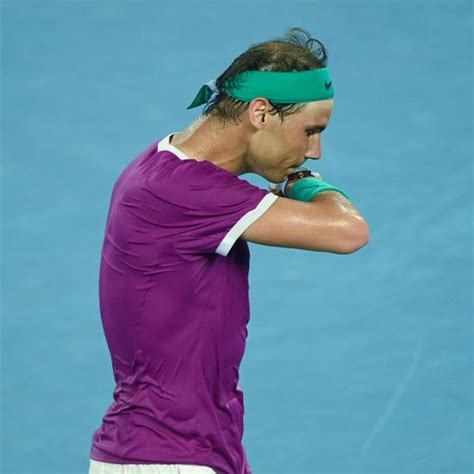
165 145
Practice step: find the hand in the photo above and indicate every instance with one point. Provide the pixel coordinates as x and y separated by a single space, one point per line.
276 189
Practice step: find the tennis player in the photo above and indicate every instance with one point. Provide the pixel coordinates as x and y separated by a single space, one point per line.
173 280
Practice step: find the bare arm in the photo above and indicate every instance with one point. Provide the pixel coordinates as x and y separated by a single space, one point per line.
328 223
337 205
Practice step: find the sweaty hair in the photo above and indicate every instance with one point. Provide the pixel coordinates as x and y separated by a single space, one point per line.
293 52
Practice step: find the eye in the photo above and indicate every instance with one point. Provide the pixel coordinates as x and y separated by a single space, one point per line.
310 132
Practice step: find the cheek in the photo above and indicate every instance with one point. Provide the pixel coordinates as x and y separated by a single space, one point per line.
295 149
286 144
278 148
272 147
295 142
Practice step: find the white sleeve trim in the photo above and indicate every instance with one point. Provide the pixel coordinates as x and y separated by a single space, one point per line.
245 221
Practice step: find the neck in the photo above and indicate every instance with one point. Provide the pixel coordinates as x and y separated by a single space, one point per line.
208 139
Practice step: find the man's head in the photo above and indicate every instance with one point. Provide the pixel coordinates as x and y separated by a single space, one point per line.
293 52
276 147
276 136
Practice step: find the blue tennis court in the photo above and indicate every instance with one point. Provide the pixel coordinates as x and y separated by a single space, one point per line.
355 364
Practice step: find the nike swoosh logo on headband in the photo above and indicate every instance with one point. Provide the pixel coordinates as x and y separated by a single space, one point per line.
328 84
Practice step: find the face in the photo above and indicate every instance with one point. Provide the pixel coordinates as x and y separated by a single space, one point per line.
276 148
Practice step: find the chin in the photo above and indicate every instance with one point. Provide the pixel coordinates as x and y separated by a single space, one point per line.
275 178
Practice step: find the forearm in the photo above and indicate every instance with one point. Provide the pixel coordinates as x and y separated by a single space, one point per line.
337 202
342 209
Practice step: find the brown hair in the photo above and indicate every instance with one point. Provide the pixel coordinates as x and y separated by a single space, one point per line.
293 52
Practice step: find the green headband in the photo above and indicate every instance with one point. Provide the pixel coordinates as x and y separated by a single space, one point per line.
276 86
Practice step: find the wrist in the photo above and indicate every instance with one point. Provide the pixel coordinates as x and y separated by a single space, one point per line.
294 177
306 188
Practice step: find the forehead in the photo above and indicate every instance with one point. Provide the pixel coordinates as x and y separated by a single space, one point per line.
316 112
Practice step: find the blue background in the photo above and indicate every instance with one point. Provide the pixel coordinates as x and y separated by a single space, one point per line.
355 364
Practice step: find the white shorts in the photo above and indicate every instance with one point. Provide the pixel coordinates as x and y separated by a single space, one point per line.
99 467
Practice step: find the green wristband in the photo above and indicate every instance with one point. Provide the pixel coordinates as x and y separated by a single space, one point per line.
304 189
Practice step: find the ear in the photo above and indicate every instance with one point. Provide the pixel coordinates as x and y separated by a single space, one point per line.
258 112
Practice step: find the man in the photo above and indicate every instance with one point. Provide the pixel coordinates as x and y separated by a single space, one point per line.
173 276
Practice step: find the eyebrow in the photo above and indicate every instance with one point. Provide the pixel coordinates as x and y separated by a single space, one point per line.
318 128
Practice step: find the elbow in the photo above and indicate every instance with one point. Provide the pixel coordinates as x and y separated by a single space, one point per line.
360 236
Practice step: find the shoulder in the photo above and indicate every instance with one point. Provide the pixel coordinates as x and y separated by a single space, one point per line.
174 169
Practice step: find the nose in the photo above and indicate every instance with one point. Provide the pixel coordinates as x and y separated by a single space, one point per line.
313 152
